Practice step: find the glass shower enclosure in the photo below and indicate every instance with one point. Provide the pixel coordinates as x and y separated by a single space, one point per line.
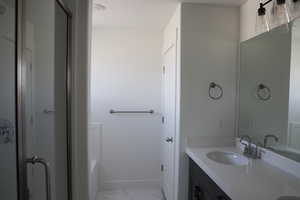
8 122
35 100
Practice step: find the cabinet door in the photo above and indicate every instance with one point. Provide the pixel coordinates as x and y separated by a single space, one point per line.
202 187
196 189
198 193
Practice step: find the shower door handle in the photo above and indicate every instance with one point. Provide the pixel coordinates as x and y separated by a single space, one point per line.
36 160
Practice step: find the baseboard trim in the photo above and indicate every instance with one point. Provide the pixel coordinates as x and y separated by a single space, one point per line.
127 184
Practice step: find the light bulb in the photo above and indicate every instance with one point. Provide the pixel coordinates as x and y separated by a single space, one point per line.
294 8
279 13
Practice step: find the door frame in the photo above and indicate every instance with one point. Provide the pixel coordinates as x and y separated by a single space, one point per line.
20 94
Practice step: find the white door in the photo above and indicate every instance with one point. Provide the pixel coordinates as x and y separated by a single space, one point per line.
169 102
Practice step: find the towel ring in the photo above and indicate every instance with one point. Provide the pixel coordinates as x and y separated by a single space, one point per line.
214 87
263 92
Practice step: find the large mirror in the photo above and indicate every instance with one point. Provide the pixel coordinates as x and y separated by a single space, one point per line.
269 96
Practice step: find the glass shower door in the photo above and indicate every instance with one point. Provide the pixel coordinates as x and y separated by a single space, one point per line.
8 141
45 102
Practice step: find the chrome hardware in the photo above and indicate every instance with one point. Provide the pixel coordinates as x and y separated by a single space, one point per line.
247 145
169 139
251 150
131 112
263 92
215 86
247 149
48 111
36 160
269 136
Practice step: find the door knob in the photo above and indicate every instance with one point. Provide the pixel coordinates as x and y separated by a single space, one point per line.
169 139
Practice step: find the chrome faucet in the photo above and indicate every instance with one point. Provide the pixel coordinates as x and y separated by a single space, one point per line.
248 146
267 138
251 149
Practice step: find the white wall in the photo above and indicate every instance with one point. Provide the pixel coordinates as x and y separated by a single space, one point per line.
126 75
248 13
209 52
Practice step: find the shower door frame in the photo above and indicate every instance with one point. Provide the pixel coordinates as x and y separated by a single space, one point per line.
20 94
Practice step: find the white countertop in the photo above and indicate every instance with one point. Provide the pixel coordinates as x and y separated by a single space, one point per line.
256 181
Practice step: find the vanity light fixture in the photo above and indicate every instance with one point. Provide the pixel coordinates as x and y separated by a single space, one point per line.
282 12
294 8
279 13
262 21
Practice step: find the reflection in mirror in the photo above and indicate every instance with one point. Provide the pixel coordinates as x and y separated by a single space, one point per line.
269 97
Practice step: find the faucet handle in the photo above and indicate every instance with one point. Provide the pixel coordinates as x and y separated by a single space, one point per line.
245 137
243 143
247 149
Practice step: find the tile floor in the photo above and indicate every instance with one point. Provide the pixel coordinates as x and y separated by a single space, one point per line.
131 194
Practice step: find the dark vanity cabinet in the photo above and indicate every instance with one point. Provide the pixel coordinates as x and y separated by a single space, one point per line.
202 187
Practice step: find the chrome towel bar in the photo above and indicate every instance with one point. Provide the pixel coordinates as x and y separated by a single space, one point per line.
131 112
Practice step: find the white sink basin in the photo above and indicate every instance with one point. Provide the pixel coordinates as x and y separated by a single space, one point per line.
228 158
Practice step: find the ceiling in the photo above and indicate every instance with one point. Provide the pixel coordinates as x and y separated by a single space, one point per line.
142 14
